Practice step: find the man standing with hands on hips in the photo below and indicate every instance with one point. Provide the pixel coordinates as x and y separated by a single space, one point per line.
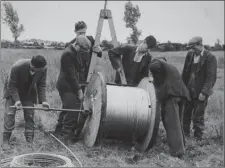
25 83
199 75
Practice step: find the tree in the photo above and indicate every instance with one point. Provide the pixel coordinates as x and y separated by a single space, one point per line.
131 16
11 19
217 45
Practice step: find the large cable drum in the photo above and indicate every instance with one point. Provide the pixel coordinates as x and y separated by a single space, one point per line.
121 112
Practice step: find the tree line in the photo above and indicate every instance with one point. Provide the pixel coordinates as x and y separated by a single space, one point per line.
131 16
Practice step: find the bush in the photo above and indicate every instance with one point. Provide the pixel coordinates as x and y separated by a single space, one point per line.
6 44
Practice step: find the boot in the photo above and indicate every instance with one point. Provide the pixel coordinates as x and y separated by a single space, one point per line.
58 130
5 143
30 138
68 141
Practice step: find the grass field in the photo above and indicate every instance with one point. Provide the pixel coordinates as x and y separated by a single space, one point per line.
208 153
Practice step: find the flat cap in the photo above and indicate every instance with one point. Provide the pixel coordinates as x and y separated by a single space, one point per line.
83 42
194 41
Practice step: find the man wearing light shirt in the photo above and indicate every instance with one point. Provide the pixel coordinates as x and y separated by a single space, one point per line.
199 75
135 60
25 85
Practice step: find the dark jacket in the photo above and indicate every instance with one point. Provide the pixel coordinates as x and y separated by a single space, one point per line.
21 86
74 69
167 80
91 39
206 73
134 71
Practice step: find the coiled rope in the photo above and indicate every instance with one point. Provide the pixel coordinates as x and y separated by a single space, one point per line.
46 133
41 160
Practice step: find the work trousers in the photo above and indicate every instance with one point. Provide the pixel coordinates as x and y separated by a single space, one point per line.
9 119
194 111
68 121
172 114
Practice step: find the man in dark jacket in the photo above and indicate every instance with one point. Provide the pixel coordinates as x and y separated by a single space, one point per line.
80 29
27 79
171 93
199 75
135 60
73 71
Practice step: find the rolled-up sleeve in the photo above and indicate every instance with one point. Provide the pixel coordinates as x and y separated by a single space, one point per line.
115 55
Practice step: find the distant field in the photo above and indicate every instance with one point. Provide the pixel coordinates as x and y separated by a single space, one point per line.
208 153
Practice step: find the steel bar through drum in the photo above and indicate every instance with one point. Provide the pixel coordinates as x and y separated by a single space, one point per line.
52 109
115 84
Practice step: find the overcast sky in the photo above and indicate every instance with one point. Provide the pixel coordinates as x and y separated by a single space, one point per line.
176 21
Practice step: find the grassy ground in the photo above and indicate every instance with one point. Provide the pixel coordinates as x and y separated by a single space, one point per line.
208 153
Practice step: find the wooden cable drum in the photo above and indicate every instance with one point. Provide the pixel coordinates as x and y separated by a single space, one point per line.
121 112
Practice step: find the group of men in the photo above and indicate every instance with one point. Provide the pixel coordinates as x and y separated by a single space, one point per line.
182 97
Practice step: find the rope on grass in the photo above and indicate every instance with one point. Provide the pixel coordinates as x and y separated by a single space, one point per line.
68 150
46 133
41 160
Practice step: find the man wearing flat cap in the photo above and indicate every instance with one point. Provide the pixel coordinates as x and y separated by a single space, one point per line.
199 75
72 68
80 30
25 85
135 60
171 93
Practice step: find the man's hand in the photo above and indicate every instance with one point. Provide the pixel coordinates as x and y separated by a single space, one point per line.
80 95
201 97
18 105
118 70
96 49
45 105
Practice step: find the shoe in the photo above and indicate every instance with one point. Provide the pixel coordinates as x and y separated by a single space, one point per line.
6 146
6 143
76 139
187 135
58 129
58 135
30 140
68 142
198 138
178 155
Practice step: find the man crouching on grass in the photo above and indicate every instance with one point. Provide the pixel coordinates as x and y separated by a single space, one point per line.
26 80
